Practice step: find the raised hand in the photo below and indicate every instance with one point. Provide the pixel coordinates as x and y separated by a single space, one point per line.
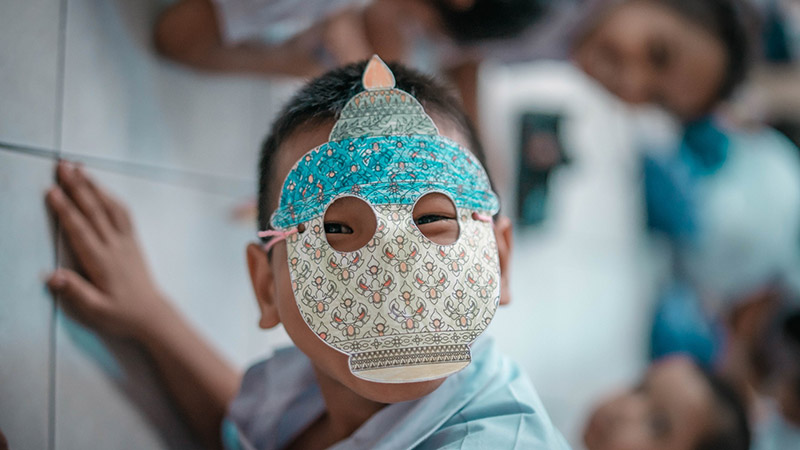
115 292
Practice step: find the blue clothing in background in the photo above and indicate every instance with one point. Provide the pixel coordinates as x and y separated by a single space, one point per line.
489 404
681 326
728 201
672 195
671 183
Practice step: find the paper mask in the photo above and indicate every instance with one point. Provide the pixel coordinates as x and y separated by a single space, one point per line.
402 307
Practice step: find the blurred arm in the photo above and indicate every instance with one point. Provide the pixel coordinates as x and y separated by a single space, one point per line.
771 94
199 379
189 32
118 296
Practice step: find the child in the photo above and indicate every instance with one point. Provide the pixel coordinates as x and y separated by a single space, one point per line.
676 406
333 389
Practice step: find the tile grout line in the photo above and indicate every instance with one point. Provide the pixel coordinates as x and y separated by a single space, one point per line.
204 182
169 175
116 164
29 151
59 115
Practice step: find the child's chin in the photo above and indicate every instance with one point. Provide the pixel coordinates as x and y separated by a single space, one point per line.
394 392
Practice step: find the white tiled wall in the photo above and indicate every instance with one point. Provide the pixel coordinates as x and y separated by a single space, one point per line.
25 306
29 32
29 71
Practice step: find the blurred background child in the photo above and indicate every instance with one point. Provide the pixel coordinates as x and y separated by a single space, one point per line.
677 406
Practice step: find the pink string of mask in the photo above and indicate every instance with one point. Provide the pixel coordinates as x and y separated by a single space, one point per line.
276 235
481 217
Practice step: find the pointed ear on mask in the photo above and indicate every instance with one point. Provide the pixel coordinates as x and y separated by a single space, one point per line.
504 235
263 279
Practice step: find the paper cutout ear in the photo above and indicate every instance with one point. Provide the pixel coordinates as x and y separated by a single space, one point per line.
381 109
377 75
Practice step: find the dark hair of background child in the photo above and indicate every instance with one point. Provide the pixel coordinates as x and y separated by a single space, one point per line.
489 19
730 425
730 21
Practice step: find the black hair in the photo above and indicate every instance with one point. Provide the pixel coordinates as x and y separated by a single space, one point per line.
769 349
790 350
488 19
731 22
323 99
791 327
730 425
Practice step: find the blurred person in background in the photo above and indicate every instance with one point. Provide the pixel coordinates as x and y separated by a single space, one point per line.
728 202
726 197
685 55
762 358
675 406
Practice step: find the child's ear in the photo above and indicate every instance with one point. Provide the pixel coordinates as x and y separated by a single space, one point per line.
263 285
504 235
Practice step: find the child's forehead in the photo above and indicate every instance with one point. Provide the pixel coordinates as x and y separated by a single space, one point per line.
308 137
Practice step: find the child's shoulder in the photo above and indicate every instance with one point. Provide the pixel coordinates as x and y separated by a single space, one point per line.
491 404
287 365
272 393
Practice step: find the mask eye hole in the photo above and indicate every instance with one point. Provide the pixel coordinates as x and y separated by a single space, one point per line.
349 224
436 218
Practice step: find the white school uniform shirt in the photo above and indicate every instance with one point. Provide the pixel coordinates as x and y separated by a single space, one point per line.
489 404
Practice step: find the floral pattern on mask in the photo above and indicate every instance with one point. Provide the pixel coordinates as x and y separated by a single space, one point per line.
401 291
